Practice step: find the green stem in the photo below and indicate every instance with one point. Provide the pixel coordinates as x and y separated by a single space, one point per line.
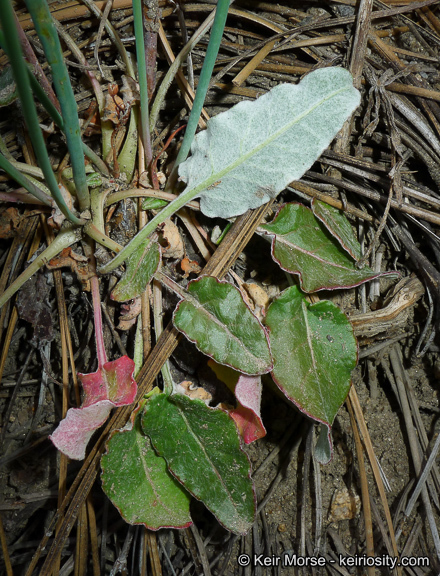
168 386
52 110
143 234
106 125
45 28
142 74
91 230
203 85
66 237
19 70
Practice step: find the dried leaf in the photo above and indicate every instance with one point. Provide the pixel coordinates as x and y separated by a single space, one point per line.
32 306
171 241
9 221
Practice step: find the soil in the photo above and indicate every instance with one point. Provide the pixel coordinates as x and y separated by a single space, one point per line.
321 516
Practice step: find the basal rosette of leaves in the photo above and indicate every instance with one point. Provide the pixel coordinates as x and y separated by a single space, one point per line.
309 349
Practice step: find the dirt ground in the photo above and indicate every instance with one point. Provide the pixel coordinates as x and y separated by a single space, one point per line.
324 517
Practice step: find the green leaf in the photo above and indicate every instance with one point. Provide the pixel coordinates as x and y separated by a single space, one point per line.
153 204
202 450
338 226
141 266
303 246
248 154
314 352
214 316
138 483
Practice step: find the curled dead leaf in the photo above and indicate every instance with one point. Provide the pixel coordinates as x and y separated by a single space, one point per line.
189 267
129 313
259 298
67 258
192 391
9 221
171 241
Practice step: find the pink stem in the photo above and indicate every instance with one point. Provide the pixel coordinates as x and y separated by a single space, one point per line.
97 315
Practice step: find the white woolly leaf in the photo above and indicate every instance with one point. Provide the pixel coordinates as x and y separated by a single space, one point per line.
249 154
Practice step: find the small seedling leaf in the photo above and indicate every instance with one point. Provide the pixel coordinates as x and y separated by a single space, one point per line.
248 154
314 352
247 390
141 266
138 483
214 316
202 449
303 245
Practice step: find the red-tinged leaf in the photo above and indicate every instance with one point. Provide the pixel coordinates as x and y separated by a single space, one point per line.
302 245
214 316
247 390
202 449
248 423
314 352
114 382
138 482
74 432
110 386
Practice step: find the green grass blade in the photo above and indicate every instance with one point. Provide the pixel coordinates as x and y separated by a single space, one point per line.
19 69
203 85
48 36
142 73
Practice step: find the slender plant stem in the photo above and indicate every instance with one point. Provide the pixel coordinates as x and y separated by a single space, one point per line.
57 118
143 234
142 73
97 318
203 85
91 230
19 70
47 33
66 237
53 112
23 181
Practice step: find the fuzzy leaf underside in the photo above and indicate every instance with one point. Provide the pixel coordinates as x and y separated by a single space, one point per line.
248 154
215 317
302 245
141 266
314 352
138 483
202 449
